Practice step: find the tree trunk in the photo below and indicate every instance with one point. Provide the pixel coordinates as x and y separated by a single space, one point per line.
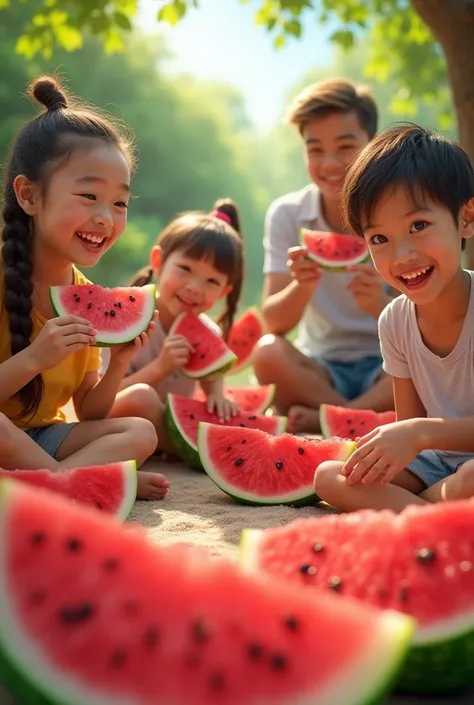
452 23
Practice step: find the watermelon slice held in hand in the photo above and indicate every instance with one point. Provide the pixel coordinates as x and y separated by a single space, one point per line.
110 488
243 336
119 315
351 423
182 416
250 400
420 562
333 251
94 614
212 357
256 468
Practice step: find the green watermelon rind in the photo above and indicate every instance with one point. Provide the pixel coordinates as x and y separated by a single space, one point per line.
323 421
239 366
328 265
437 662
218 367
298 498
186 450
110 338
130 478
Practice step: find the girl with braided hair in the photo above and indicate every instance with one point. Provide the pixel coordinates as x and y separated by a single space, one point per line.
67 187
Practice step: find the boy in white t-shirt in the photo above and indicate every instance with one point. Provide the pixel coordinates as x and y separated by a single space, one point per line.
410 194
336 357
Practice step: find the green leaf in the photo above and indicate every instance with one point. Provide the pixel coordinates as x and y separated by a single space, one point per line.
68 37
293 27
343 37
113 41
122 21
172 13
279 42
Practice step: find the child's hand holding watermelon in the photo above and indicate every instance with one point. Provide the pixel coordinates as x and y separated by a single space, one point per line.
303 270
368 289
59 338
174 354
122 355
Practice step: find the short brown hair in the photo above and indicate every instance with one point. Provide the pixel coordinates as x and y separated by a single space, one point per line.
336 95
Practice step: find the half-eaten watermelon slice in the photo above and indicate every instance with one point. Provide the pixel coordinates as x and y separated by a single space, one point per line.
420 562
110 488
334 251
94 614
256 468
351 423
119 315
182 416
243 336
212 356
250 400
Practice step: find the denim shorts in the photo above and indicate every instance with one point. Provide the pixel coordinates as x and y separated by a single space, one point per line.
431 466
49 438
351 379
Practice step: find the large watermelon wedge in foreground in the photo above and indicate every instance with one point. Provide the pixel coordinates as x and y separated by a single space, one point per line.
420 562
351 423
243 336
94 614
110 488
119 315
334 251
182 416
212 357
256 468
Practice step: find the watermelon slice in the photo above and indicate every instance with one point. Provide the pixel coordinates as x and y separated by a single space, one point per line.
243 335
250 400
119 315
256 468
94 614
333 251
111 488
182 416
212 358
420 562
351 423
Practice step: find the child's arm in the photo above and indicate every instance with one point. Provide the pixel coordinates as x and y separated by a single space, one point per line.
15 372
407 402
151 374
95 397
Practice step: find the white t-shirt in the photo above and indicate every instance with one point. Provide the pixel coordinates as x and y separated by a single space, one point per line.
445 385
333 326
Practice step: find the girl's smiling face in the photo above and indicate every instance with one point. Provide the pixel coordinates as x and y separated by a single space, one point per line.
416 247
187 284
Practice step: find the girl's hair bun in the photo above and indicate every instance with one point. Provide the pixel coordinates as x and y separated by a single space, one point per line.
47 91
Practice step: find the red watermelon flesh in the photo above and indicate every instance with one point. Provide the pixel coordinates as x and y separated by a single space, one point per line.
164 627
212 357
256 468
420 562
250 400
243 336
182 416
334 250
351 423
119 315
111 488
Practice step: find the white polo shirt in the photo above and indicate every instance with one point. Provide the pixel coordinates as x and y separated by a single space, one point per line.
333 326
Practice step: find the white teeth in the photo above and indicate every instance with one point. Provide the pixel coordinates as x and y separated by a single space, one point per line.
417 273
92 238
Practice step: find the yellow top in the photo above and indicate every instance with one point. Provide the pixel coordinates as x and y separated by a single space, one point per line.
60 382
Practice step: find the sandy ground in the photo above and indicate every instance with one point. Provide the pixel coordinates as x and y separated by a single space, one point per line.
196 511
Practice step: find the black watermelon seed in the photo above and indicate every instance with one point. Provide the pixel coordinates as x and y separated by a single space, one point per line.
242 424
217 680
116 304
425 555
76 614
308 569
132 298
239 461
111 564
191 416
106 313
150 637
255 651
37 597
203 355
74 545
78 298
352 431
348 421
403 594
279 465
99 505
119 305
278 662
112 312
292 623
90 292
318 547
244 441
200 631
38 538
118 658
335 583
89 305
300 450
252 418
229 448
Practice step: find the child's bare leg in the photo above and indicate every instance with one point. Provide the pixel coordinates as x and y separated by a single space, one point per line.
378 398
114 440
332 487
18 450
457 486
301 384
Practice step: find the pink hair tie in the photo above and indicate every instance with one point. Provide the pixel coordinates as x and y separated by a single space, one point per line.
221 216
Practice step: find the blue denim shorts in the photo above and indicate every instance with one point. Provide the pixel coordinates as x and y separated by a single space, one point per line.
351 379
49 438
431 466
